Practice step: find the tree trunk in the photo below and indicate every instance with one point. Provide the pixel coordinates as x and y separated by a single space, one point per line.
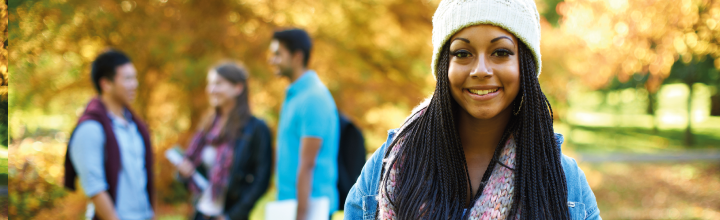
689 138
689 81
651 111
715 105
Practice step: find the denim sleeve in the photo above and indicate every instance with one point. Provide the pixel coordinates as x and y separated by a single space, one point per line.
591 208
579 190
86 152
366 185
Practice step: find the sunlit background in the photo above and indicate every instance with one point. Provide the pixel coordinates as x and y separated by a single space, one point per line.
633 84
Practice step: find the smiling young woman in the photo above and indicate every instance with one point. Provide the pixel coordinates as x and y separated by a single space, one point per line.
232 149
483 146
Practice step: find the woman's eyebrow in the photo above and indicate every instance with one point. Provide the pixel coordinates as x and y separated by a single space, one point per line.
502 37
462 39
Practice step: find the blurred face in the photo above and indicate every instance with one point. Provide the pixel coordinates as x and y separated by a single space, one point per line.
123 86
280 59
220 91
484 70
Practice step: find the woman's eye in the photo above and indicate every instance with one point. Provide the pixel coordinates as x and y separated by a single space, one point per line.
461 54
502 53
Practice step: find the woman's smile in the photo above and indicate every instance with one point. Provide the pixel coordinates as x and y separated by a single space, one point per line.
483 93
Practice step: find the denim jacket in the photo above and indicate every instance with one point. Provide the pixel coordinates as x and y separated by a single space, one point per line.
361 202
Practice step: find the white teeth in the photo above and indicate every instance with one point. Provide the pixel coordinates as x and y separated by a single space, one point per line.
482 91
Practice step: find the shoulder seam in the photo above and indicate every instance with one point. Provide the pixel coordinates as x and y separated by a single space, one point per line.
593 210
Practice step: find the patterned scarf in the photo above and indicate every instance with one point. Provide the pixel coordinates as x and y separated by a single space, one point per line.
220 172
494 202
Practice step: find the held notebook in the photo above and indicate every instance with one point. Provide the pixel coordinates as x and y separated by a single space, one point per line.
319 209
175 157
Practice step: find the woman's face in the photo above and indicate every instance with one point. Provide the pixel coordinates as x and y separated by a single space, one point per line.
220 91
484 70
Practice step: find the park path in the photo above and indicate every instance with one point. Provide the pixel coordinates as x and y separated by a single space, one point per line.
684 156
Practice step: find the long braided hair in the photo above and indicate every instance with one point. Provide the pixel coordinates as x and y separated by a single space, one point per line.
433 180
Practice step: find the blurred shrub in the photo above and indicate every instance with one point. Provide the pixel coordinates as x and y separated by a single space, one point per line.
29 193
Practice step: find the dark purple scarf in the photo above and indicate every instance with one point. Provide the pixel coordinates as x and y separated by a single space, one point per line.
220 172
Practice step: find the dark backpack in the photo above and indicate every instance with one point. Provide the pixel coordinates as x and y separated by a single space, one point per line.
351 157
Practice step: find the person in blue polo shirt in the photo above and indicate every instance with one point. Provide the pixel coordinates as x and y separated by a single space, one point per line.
308 131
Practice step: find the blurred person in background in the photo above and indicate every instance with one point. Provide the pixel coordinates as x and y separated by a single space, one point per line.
232 149
309 130
110 149
483 145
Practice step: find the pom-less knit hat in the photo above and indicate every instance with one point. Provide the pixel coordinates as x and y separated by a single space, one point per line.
519 17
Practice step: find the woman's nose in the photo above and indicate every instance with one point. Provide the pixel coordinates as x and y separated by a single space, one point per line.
481 69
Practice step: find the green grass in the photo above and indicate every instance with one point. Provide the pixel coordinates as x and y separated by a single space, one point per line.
636 140
173 217
3 171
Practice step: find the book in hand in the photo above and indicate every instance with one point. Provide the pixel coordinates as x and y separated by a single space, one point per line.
175 157
319 209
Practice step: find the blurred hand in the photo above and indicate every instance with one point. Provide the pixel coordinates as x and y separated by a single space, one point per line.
186 168
222 217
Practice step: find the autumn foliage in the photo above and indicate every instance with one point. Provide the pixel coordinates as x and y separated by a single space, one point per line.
374 56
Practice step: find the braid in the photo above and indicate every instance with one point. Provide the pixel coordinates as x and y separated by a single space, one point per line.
539 178
433 177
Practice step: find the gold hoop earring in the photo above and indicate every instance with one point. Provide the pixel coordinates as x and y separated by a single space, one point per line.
519 108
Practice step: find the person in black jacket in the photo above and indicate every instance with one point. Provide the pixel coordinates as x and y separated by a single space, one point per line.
232 150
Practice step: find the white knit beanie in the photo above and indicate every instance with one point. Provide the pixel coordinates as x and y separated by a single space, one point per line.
519 17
